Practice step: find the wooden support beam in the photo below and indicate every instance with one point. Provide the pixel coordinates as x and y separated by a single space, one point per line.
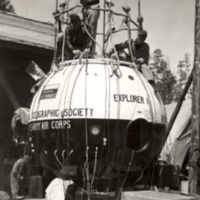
26 24
14 44
194 183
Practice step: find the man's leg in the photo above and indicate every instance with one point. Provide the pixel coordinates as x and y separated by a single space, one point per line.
63 53
147 73
91 19
14 187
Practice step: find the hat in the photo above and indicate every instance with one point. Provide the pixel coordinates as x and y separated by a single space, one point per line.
142 34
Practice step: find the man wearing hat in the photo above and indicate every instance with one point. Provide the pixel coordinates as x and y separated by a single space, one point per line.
140 51
75 41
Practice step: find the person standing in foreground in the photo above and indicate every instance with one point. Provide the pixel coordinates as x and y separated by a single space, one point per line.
19 177
140 50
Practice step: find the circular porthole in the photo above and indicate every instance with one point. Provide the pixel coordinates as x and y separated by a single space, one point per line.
131 77
95 130
138 135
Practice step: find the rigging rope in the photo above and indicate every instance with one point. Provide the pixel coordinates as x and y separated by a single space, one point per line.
130 121
55 154
86 136
148 96
92 37
55 36
95 165
129 166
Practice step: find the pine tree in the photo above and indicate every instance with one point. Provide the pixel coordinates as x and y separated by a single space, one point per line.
183 74
164 79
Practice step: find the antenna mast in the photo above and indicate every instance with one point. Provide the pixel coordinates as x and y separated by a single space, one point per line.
55 44
140 18
138 7
104 22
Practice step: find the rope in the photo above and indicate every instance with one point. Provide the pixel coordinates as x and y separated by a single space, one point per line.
108 137
69 75
66 78
150 104
87 173
109 20
105 114
86 137
39 93
55 154
129 166
71 95
127 126
55 45
117 124
129 37
95 165
114 70
92 37
63 44
68 156
65 89
118 117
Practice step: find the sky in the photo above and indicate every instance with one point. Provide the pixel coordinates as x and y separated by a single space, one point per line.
170 23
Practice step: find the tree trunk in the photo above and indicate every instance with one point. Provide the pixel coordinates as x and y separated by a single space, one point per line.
194 147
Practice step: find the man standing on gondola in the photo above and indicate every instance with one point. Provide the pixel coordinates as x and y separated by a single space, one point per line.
90 16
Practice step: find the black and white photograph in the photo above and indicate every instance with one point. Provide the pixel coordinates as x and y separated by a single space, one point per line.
99 99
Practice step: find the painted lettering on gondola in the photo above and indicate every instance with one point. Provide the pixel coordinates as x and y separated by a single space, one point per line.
50 125
75 112
128 98
45 113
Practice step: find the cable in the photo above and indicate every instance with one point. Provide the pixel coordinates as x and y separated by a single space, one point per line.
92 37
63 44
68 156
116 128
129 166
86 136
57 158
55 45
130 121
148 96
87 173
95 165
109 20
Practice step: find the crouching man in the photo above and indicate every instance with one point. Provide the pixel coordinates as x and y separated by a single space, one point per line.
74 42
140 51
